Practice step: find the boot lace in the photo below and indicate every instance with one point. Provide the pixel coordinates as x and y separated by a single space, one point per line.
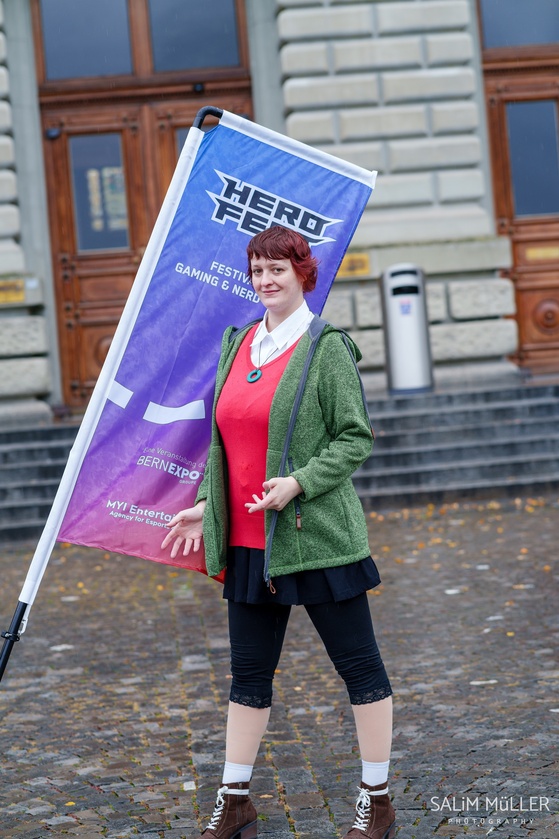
218 810
363 807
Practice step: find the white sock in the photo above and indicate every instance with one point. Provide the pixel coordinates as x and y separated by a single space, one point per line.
375 773
235 773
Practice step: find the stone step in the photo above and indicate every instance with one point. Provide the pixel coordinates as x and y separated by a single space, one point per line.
43 489
459 451
452 415
448 473
454 444
438 400
509 429
15 513
404 495
27 453
17 531
38 433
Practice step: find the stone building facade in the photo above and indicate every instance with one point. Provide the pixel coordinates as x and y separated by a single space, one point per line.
392 85
397 87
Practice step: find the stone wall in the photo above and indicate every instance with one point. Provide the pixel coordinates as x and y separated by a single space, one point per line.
24 367
397 87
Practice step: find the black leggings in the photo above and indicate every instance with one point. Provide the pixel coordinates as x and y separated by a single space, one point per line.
257 631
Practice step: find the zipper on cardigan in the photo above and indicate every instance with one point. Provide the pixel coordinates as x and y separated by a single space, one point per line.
315 329
296 502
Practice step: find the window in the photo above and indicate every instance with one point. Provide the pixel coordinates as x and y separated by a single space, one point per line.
86 39
189 35
513 23
99 192
142 38
534 157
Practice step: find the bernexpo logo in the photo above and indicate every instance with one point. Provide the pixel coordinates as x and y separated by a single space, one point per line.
253 209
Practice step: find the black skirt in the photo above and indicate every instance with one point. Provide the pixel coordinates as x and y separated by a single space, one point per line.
244 581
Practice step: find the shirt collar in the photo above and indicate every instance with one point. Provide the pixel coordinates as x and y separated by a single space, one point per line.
282 333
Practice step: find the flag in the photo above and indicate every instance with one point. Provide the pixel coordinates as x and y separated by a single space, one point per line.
141 450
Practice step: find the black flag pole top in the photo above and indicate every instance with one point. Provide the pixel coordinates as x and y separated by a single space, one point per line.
208 111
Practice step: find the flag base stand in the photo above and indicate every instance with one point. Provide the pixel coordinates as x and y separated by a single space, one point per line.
11 635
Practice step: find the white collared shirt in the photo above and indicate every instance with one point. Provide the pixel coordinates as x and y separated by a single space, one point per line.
266 346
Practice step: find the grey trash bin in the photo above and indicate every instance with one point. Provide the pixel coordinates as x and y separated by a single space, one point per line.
406 330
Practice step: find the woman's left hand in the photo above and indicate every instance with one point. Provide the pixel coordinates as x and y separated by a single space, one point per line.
277 493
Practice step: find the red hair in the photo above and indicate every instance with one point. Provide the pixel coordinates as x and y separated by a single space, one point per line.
280 243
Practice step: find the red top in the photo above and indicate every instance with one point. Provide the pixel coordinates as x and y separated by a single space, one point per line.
242 415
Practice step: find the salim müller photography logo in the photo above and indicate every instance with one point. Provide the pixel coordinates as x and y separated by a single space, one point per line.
490 811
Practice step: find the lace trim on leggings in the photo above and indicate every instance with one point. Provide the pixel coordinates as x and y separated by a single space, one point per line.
371 696
250 701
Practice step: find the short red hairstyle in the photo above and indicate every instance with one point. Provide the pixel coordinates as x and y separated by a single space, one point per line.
280 243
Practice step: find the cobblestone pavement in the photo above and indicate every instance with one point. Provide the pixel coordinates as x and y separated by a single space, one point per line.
112 707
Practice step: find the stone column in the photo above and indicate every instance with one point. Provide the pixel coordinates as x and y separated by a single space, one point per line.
24 365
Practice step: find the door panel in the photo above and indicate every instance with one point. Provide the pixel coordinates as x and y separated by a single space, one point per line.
93 339
99 229
523 111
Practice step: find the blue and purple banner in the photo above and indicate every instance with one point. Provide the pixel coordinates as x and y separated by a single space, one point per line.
141 450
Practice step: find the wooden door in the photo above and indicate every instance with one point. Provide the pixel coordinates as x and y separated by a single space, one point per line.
99 219
115 114
521 67
526 165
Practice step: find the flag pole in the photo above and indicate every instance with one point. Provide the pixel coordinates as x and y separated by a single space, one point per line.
98 398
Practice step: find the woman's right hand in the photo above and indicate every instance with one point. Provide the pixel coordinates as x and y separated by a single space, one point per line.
186 527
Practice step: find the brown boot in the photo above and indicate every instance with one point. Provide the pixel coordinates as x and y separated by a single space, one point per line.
375 817
234 815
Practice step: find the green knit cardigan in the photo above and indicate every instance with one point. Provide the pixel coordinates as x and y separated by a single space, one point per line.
332 437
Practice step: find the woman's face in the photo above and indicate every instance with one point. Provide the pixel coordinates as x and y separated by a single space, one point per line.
277 285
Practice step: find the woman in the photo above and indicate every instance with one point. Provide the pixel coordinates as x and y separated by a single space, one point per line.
277 508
